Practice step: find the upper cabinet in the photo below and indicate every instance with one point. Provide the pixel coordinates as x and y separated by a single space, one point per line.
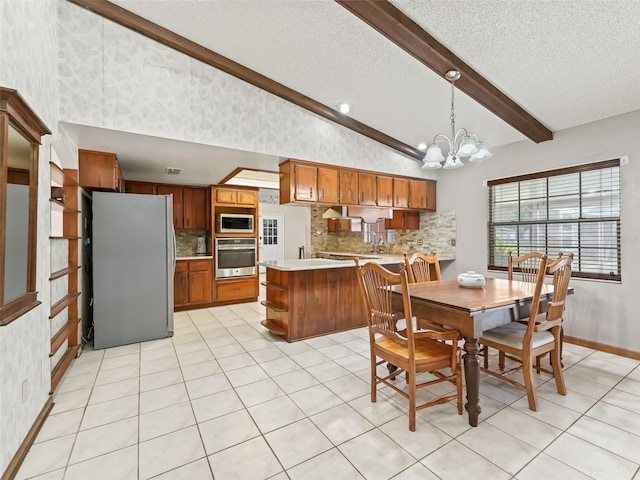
191 205
236 197
400 192
328 181
367 189
176 193
348 187
384 192
99 171
306 182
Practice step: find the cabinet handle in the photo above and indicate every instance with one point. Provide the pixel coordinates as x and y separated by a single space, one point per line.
397 199
422 202
361 196
311 192
323 193
388 198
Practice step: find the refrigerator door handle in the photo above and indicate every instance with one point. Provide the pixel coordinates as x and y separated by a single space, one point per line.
173 231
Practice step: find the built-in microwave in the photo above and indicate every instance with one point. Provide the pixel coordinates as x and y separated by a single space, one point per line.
235 223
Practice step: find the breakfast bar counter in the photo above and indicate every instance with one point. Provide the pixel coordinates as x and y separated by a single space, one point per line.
311 297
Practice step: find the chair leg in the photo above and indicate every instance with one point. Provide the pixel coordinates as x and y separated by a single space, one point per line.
527 373
374 377
392 368
485 354
501 360
557 368
411 376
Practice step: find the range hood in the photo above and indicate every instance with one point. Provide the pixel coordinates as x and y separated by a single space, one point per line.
368 214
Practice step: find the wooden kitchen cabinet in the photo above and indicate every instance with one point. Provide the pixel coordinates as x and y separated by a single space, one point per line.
192 283
195 208
338 225
144 188
234 290
239 197
306 183
384 191
431 196
328 185
99 171
348 187
401 192
367 189
418 194
403 220
176 192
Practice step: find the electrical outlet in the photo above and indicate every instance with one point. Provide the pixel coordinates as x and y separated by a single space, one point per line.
453 242
419 242
25 390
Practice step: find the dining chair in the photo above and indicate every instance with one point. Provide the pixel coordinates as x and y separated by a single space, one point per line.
422 268
526 340
394 339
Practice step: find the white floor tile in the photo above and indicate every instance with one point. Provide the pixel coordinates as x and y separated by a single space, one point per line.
232 463
544 466
163 397
216 405
46 457
166 420
104 439
258 392
610 438
454 461
121 464
60 425
228 430
420 443
246 375
376 456
110 411
112 391
201 387
534 432
198 470
296 380
160 379
330 464
315 399
170 451
63 402
417 471
199 370
341 423
297 442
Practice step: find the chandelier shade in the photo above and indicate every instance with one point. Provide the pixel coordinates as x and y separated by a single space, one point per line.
461 143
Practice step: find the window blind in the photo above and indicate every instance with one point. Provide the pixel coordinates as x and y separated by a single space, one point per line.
574 209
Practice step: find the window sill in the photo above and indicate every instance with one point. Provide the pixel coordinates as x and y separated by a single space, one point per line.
17 308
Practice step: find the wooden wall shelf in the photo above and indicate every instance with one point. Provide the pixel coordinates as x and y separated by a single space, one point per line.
63 272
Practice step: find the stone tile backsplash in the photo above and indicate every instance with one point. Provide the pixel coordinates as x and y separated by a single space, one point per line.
187 242
437 232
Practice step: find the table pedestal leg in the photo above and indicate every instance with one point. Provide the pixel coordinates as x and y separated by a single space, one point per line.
472 379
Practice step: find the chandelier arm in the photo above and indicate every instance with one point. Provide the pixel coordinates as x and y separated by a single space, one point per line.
441 137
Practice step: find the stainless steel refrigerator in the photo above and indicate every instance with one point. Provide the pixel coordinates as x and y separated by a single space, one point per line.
133 250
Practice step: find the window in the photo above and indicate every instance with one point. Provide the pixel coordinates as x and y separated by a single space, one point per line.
574 209
20 133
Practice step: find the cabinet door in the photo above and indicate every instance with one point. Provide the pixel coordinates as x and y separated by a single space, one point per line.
339 225
230 290
306 181
141 188
366 189
395 223
195 208
328 189
224 195
180 288
400 192
384 194
348 187
200 287
176 192
411 220
246 197
98 170
431 195
418 194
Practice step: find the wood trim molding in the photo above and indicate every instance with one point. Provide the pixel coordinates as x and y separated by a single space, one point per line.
408 35
623 352
21 453
172 40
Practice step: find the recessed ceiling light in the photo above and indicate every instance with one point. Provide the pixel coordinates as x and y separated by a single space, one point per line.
422 146
344 107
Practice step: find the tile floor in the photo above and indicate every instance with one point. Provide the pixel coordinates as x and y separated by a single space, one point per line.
224 399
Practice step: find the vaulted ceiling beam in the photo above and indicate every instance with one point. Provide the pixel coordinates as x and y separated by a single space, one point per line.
408 35
170 39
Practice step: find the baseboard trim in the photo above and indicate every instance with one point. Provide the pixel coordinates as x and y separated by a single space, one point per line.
623 352
18 458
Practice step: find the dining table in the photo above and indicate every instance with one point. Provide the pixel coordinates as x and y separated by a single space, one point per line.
472 311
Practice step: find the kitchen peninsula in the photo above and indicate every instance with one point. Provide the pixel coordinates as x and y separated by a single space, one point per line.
316 296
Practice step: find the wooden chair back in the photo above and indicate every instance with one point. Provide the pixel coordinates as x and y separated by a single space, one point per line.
526 265
540 267
422 268
375 284
561 271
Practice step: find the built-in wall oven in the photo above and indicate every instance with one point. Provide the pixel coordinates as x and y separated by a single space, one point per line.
235 257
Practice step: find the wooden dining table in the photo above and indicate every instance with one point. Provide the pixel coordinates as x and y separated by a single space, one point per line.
471 311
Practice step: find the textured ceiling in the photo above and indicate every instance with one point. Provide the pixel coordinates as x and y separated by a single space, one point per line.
566 62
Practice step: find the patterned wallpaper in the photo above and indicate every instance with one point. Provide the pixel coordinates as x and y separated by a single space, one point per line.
114 78
28 48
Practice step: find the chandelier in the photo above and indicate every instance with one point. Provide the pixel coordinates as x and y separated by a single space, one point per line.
461 143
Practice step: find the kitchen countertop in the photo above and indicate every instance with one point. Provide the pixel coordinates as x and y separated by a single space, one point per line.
324 263
195 257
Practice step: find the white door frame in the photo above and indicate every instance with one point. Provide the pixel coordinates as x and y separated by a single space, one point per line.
272 251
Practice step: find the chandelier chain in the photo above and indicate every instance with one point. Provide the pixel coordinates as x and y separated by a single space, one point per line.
453 114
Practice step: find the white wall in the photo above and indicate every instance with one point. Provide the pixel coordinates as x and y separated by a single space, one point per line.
28 49
599 311
297 225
